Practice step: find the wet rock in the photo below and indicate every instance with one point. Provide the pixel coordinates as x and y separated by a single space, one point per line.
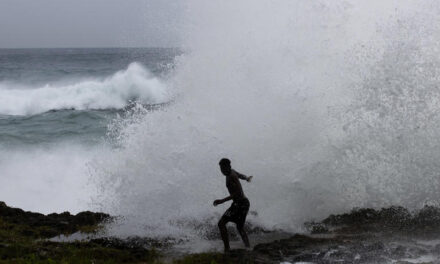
89 218
361 236
375 246
357 216
399 251
436 249
394 216
317 228
135 242
391 219
428 216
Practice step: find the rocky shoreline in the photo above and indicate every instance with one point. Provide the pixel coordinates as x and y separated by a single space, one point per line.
24 238
389 235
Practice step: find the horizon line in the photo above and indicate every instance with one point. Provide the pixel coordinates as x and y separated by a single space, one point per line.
103 47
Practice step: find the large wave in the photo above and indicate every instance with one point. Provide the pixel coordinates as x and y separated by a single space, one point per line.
135 83
329 104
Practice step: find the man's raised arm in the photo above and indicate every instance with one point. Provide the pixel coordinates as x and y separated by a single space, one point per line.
244 177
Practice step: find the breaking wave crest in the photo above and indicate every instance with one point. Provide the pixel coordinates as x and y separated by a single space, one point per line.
135 83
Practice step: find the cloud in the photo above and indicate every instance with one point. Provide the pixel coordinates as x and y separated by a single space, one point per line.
89 23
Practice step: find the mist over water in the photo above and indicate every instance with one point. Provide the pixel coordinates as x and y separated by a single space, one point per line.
330 105
46 180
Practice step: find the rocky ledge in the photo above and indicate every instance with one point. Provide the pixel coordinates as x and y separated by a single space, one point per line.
388 235
23 239
39 225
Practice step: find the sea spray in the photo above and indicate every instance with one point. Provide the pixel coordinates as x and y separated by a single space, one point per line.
47 179
390 152
283 90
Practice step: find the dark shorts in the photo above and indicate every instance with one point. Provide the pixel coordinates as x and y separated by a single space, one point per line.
237 212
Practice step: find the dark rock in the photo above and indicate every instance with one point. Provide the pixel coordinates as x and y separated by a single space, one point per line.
357 216
28 232
376 246
89 218
436 249
399 251
361 236
51 224
317 228
306 257
428 216
135 242
394 216
391 219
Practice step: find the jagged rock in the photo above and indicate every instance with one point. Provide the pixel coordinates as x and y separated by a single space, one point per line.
52 224
318 228
394 218
429 216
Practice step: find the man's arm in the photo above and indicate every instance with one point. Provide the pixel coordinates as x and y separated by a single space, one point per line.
220 201
233 194
244 177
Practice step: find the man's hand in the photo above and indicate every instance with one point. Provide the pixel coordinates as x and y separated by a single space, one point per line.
249 178
217 202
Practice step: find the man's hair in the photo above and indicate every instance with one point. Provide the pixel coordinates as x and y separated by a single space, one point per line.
224 162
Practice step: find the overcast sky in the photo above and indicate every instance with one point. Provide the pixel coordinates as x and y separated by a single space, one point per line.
90 23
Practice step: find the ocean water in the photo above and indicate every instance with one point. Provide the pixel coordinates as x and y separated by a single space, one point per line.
55 109
327 114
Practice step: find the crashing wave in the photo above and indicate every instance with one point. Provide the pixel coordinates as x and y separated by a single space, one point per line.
135 83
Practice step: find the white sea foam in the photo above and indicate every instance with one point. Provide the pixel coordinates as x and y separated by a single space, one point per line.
135 83
322 101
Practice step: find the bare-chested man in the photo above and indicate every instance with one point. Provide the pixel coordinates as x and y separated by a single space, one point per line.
240 204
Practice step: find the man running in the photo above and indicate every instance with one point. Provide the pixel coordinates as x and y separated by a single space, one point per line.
240 204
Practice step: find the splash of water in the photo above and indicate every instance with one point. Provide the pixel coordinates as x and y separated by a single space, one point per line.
326 104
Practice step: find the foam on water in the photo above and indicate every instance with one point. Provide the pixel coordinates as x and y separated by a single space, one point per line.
135 83
329 104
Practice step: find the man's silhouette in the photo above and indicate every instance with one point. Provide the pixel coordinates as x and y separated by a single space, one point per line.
240 204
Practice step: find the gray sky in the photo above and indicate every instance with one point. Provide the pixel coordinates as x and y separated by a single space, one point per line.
90 23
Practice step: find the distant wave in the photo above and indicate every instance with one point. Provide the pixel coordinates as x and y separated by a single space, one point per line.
135 83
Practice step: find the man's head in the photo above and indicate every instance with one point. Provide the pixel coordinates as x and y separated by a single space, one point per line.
225 166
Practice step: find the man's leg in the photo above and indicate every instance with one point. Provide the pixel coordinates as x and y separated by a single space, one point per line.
244 237
224 232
